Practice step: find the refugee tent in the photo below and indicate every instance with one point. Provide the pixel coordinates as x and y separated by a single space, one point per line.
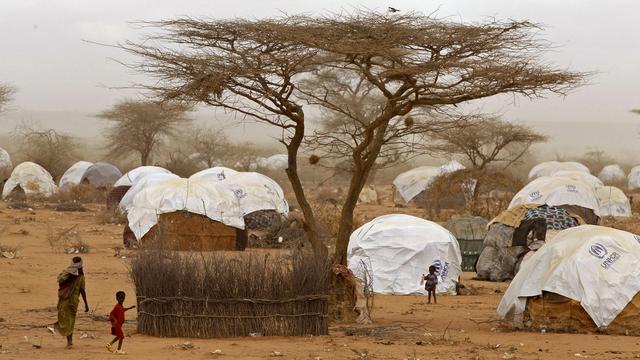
273 162
193 214
141 184
215 173
470 232
5 164
613 202
508 239
397 249
585 279
547 168
558 191
368 195
101 175
73 175
612 174
413 182
634 178
586 178
132 176
256 192
29 179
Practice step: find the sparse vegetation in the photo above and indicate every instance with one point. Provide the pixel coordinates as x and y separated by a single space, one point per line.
6 94
111 216
52 150
67 240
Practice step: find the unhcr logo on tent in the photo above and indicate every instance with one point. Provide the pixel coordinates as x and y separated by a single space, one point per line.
598 250
535 196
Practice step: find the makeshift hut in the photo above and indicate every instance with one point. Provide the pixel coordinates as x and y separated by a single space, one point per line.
470 232
122 186
613 202
217 173
633 179
547 168
396 250
584 280
573 195
5 165
580 176
516 232
612 174
273 162
73 175
29 180
127 198
200 215
409 184
101 175
219 294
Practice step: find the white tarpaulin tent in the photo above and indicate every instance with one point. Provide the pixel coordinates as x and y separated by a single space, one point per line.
217 173
634 178
397 249
256 192
73 175
413 182
141 184
273 162
594 265
612 174
5 164
613 202
557 191
32 178
211 199
131 177
547 168
581 176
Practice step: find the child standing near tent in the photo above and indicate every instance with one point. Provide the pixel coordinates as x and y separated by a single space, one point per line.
430 281
116 317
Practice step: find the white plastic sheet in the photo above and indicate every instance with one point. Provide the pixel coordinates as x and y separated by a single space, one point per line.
581 176
613 202
73 175
133 176
556 191
594 265
5 163
612 174
217 173
32 178
634 178
141 184
547 168
256 192
413 182
397 249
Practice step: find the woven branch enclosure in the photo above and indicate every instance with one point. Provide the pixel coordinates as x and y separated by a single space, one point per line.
228 294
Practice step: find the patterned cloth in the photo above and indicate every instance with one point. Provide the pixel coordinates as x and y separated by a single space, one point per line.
556 217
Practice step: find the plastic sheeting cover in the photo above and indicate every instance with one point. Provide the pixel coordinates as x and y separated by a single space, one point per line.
556 191
141 184
197 196
413 182
547 168
32 178
397 249
131 177
273 162
73 175
581 176
594 265
102 174
612 173
5 163
217 173
613 202
256 192
634 178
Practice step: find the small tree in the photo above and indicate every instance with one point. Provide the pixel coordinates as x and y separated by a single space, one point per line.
6 94
212 145
489 141
48 148
141 126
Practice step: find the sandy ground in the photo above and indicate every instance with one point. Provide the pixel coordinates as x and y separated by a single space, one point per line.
458 327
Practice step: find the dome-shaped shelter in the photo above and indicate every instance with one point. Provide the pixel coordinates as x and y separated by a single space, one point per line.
29 179
613 202
73 175
5 164
612 174
256 192
397 249
132 176
195 214
585 279
101 175
633 179
557 191
547 168
140 185
273 162
580 176
217 173
413 182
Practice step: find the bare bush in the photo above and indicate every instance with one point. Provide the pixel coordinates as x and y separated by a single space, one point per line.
6 94
111 216
181 165
52 150
81 193
68 240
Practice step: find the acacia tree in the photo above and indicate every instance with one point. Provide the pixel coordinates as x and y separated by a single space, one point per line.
141 126
413 62
46 147
212 145
486 141
6 93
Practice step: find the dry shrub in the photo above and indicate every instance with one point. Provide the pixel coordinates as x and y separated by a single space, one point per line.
67 239
181 165
223 294
82 193
70 206
111 216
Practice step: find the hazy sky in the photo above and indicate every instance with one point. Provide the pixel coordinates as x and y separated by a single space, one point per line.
43 53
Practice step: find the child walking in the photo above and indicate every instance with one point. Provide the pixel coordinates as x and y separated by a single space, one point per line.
116 317
430 281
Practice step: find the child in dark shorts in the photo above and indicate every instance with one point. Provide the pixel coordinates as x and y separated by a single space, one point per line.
430 281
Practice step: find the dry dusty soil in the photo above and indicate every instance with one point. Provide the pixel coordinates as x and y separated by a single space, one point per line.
458 327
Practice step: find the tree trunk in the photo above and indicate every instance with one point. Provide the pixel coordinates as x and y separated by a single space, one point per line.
310 225
144 158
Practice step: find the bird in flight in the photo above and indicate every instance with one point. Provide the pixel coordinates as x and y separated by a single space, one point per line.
393 10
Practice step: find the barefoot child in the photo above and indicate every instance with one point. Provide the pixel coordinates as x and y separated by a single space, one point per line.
430 282
116 317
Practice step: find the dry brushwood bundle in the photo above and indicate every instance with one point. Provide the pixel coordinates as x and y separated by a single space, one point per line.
228 294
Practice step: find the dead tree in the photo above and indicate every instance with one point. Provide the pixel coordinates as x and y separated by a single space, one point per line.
141 126
488 141
6 95
52 150
413 62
